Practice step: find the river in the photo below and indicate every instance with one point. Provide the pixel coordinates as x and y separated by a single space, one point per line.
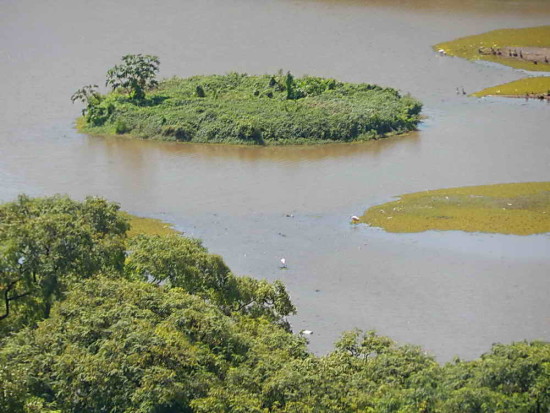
452 293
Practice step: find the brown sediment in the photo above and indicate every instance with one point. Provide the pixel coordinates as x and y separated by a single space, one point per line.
531 54
527 96
518 48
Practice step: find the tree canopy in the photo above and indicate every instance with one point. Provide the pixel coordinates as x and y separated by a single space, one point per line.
48 244
98 322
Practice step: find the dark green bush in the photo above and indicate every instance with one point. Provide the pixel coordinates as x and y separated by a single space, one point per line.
120 127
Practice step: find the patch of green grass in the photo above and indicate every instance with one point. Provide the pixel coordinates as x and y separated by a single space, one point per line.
243 109
148 226
531 85
467 47
520 209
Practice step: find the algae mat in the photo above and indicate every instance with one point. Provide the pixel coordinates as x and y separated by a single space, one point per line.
469 47
520 209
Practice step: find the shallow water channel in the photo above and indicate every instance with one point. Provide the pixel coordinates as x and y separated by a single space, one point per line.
453 293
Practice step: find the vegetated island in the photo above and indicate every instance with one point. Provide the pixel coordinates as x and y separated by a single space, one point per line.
93 320
526 48
521 209
243 109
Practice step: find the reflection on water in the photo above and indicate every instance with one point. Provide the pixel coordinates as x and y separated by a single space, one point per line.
454 294
467 7
298 153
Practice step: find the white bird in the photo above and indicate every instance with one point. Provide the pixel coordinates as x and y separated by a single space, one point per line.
442 52
306 332
283 263
355 219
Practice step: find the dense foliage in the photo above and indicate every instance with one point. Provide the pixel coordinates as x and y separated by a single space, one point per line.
47 245
166 327
238 108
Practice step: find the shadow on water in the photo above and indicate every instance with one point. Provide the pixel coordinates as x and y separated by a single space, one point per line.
524 7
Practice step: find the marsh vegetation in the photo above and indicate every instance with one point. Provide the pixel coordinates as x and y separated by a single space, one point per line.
521 209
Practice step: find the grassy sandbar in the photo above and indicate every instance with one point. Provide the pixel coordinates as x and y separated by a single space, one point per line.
520 209
534 87
148 226
532 37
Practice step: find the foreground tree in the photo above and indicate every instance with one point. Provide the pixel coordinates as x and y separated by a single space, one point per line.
122 346
176 331
176 261
136 74
47 244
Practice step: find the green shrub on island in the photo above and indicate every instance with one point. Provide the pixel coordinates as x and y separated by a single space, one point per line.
245 109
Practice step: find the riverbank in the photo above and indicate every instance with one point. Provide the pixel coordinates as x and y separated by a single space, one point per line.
259 110
520 209
525 48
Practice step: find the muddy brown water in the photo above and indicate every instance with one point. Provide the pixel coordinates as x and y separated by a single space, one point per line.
453 293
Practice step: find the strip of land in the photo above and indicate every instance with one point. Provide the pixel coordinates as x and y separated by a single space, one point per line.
525 48
520 208
528 88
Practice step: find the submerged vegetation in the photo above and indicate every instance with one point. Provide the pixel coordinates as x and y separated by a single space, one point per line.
244 109
520 209
99 322
504 46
